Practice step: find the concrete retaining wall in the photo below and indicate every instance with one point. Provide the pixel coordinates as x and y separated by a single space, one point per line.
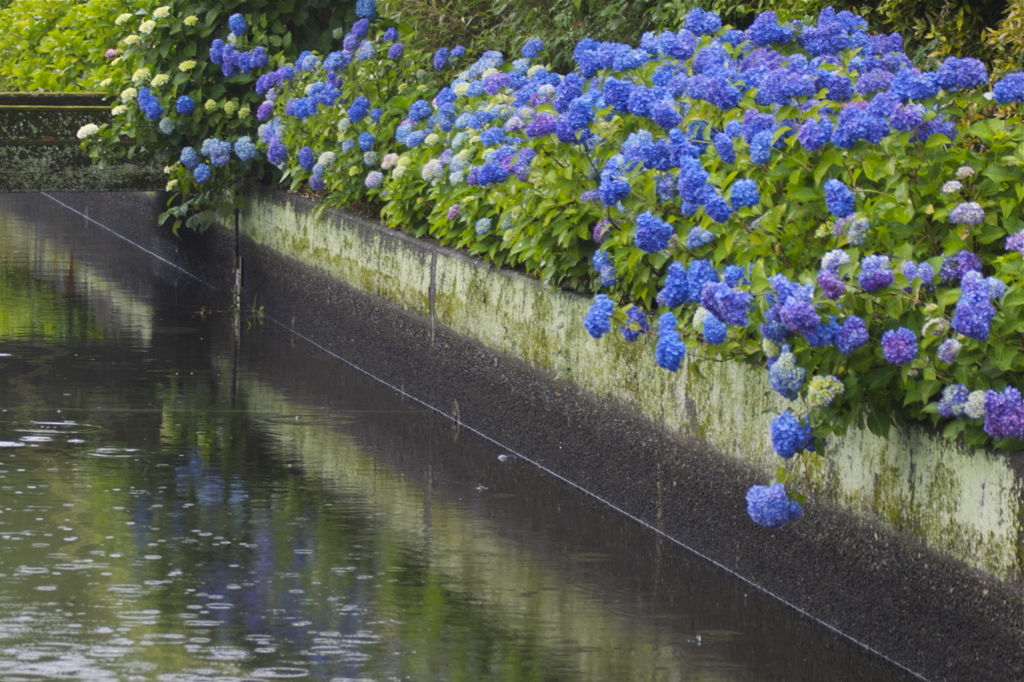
965 502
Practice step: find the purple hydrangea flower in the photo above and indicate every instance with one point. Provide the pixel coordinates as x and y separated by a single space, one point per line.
956 266
725 303
899 346
875 274
1004 414
769 506
1015 242
968 213
948 350
832 286
853 334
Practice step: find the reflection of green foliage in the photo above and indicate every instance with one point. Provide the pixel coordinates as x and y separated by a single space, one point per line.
32 309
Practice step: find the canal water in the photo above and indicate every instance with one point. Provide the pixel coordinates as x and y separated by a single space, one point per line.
187 493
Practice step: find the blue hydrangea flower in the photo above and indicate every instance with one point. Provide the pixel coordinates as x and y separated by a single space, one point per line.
744 192
814 135
532 48
838 198
201 173
1004 414
366 9
652 233
604 267
1010 88
910 83
725 147
675 292
761 147
419 110
699 274
785 376
236 22
635 316
713 330
899 346
245 149
791 435
306 158
701 22
184 105
598 319
853 334
960 74
765 30
359 108
699 237
440 58
670 349
189 159
769 506
366 141
974 311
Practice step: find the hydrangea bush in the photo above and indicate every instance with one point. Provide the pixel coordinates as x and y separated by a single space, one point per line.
798 196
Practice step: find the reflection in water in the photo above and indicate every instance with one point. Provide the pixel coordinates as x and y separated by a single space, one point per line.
181 501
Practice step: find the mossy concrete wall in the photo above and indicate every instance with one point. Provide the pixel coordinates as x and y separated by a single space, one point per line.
965 502
39 148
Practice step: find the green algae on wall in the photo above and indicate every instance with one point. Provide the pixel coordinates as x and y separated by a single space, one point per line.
965 502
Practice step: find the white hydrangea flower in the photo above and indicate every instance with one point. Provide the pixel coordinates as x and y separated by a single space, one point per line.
187 65
146 27
87 130
159 79
121 19
161 12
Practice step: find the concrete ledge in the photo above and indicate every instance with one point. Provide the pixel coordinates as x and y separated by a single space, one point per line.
39 149
911 545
